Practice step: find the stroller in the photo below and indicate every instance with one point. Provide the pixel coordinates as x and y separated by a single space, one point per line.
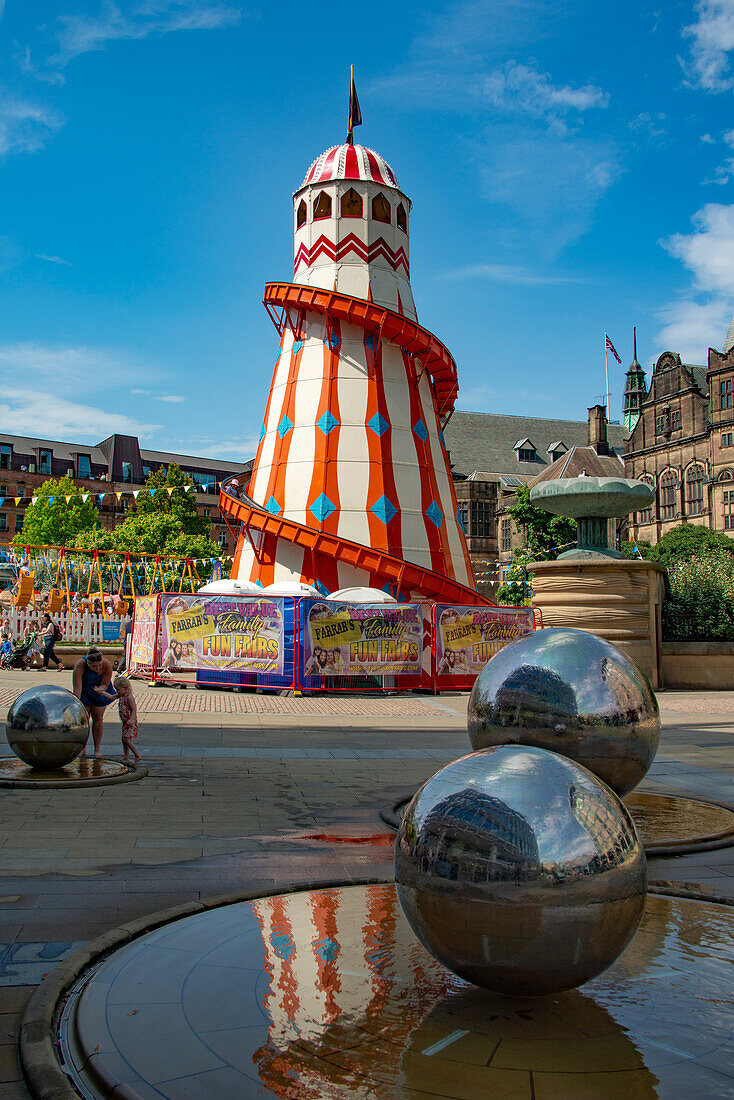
20 657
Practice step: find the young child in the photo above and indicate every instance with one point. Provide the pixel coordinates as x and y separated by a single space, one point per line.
128 716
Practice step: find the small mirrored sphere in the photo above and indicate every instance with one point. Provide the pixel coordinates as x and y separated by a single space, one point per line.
520 871
573 693
47 727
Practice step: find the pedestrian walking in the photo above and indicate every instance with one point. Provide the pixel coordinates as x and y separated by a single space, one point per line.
50 634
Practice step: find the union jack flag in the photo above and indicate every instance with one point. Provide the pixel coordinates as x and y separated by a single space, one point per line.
612 348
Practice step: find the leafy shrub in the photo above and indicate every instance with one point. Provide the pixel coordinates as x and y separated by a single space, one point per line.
700 604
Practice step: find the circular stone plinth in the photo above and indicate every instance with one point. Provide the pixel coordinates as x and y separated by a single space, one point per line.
667 824
82 772
328 993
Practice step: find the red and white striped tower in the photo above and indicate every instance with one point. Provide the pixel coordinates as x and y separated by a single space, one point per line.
351 483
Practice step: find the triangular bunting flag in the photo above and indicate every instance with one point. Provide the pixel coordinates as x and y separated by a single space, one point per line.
2 500
169 491
101 497
67 499
33 499
152 492
85 497
17 501
119 496
135 493
51 500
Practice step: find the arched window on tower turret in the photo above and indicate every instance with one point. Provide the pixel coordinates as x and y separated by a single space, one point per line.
301 214
401 218
322 206
381 211
351 204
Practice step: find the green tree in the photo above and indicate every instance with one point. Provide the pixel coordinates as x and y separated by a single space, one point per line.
180 504
515 588
543 534
685 541
59 516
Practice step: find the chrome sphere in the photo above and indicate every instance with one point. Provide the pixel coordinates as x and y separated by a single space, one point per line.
47 727
573 693
520 871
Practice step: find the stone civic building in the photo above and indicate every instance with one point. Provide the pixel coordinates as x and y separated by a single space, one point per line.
682 444
117 464
491 455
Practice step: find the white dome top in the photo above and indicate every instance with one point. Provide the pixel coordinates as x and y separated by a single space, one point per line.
350 162
362 595
290 588
229 588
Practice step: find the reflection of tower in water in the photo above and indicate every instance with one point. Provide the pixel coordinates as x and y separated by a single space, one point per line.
321 950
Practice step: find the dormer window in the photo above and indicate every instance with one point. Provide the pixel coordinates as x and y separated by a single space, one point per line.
381 211
322 206
556 449
401 218
351 205
525 450
44 462
301 214
83 466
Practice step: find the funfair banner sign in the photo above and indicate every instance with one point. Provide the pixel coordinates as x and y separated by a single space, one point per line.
142 645
364 640
467 637
223 632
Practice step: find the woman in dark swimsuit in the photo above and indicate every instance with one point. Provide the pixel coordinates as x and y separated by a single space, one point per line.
92 675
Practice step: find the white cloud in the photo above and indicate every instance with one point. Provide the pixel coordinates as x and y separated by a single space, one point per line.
30 412
506 273
231 449
701 318
67 366
53 259
170 398
691 328
708 253
82 33
724 171
25 126
712 39
523 89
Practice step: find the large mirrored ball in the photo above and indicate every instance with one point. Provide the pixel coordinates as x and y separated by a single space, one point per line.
572 693
47 727
520 871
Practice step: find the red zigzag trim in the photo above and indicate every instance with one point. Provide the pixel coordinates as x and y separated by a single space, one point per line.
352 243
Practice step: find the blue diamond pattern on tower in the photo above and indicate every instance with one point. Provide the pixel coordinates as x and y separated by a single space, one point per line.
384 509
371 341
327 422
273 506
322 508
297 345
285 426
434 513
378 424
421 430
334 341
459 520
262 433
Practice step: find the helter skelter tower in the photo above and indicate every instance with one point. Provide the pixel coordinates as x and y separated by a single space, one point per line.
351 483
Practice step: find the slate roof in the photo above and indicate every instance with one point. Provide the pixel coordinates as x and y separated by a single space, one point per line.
27 445
582 459
699 375
193 462
485 442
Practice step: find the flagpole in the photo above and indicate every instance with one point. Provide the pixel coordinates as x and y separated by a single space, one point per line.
606 372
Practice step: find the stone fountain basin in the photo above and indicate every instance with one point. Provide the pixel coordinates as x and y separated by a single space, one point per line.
605 497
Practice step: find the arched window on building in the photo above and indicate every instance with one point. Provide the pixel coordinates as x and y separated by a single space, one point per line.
401 218
646 515
351 206
322 206
301 214
694 490
668 490
381 211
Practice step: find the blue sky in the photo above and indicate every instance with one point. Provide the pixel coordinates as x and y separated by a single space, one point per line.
570 166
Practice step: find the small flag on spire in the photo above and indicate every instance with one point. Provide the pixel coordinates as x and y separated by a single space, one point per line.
612 348
355 115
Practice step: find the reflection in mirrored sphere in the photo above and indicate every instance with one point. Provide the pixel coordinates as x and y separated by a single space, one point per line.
47 727
520 871
573 693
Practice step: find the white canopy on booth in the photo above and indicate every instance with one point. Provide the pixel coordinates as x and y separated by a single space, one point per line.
362 595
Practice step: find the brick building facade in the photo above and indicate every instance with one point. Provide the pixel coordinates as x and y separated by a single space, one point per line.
117 464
